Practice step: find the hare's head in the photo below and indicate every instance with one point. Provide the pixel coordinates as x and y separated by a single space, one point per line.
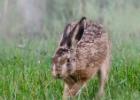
63 62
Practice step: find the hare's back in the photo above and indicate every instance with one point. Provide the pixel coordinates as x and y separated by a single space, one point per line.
92 48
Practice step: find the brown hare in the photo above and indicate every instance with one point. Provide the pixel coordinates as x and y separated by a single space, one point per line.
83 51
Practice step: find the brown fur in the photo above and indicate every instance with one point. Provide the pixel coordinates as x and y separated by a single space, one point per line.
84 51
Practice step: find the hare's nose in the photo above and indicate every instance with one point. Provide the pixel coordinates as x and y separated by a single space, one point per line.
58 76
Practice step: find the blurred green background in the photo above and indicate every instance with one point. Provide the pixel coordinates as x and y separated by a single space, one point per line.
30 31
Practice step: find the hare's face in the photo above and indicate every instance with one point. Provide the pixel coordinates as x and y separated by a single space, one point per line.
62 64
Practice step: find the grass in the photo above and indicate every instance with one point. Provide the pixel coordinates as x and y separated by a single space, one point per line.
26 72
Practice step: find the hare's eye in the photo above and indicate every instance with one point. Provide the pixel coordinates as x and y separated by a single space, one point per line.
68 60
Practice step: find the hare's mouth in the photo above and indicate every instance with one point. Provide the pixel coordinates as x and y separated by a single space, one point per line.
58 76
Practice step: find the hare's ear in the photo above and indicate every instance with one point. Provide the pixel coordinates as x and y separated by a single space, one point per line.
77 33
82 25
65 35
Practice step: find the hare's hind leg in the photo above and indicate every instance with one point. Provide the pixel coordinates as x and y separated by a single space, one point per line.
103 76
